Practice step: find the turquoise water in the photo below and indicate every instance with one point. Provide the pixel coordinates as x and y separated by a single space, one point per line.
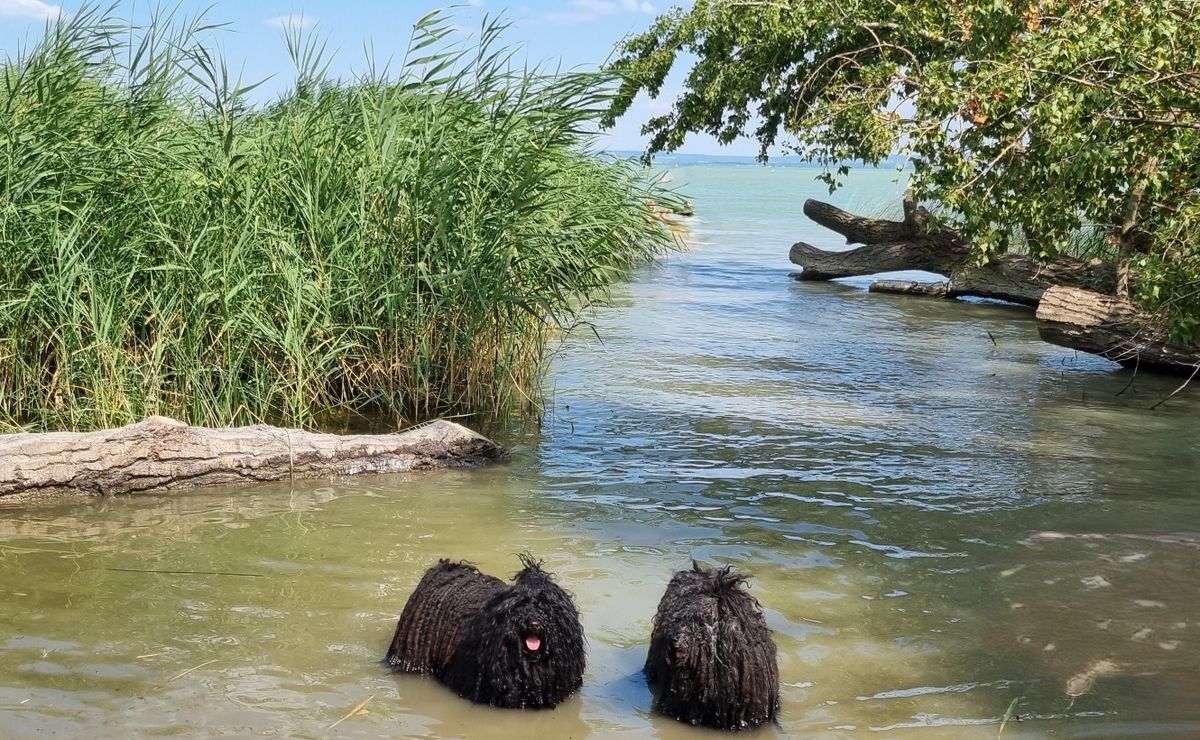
946 520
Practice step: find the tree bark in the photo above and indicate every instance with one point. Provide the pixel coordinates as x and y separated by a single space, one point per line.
862 230
1129 236
1114 328
161 453
917 243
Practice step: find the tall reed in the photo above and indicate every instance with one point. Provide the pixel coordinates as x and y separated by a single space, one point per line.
409 243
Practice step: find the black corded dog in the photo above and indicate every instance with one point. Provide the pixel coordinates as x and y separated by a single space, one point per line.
516 646
711 654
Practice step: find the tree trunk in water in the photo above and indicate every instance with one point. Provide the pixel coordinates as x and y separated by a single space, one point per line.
917 244
1075 305
161 453
1114 328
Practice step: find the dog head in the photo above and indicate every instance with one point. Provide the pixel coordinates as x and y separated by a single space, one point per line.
712 654
525 647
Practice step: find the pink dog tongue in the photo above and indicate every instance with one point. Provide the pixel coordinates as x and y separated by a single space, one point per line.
533 642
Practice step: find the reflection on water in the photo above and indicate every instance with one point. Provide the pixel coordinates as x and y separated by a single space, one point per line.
947 521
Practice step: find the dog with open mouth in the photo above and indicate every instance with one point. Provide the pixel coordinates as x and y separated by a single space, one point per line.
517 645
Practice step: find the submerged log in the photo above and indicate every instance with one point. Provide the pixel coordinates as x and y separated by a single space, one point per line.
918 243
909 287
161 453
1114 328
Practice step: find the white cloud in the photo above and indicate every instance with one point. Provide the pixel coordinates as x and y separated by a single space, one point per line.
291 20
475 3
28 9
584 11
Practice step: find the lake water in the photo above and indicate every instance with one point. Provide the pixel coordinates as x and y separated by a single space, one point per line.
947 521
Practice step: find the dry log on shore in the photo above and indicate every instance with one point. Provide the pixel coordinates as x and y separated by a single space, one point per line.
1116 329
918 243
161 453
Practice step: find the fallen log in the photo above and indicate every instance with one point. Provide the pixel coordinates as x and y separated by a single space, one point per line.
1113 328
909 287
164 454
1069 294
919 243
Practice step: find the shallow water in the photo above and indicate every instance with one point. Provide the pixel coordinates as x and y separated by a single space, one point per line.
945 519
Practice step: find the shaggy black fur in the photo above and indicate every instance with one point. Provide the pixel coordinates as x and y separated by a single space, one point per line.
518 646
711 653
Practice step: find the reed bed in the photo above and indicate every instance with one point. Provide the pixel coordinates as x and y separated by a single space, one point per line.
406 243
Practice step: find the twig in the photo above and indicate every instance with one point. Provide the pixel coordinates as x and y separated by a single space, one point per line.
188 572
1137 361
181 675
358 708
291 457
1177 390
1165 122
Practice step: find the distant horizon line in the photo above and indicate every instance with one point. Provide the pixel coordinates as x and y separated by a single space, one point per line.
890 160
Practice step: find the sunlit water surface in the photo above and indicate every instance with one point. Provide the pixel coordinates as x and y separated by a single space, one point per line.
948 522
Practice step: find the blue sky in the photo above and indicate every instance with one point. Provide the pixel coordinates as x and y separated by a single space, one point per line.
577 33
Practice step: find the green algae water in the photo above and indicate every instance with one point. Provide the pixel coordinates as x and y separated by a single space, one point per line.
949 523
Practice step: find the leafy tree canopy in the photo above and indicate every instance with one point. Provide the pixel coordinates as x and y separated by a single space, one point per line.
1028 122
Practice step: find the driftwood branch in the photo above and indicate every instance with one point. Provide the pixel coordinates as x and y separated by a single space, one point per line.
161 453
1114 328
1074 300
919 243
857 229
918 222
